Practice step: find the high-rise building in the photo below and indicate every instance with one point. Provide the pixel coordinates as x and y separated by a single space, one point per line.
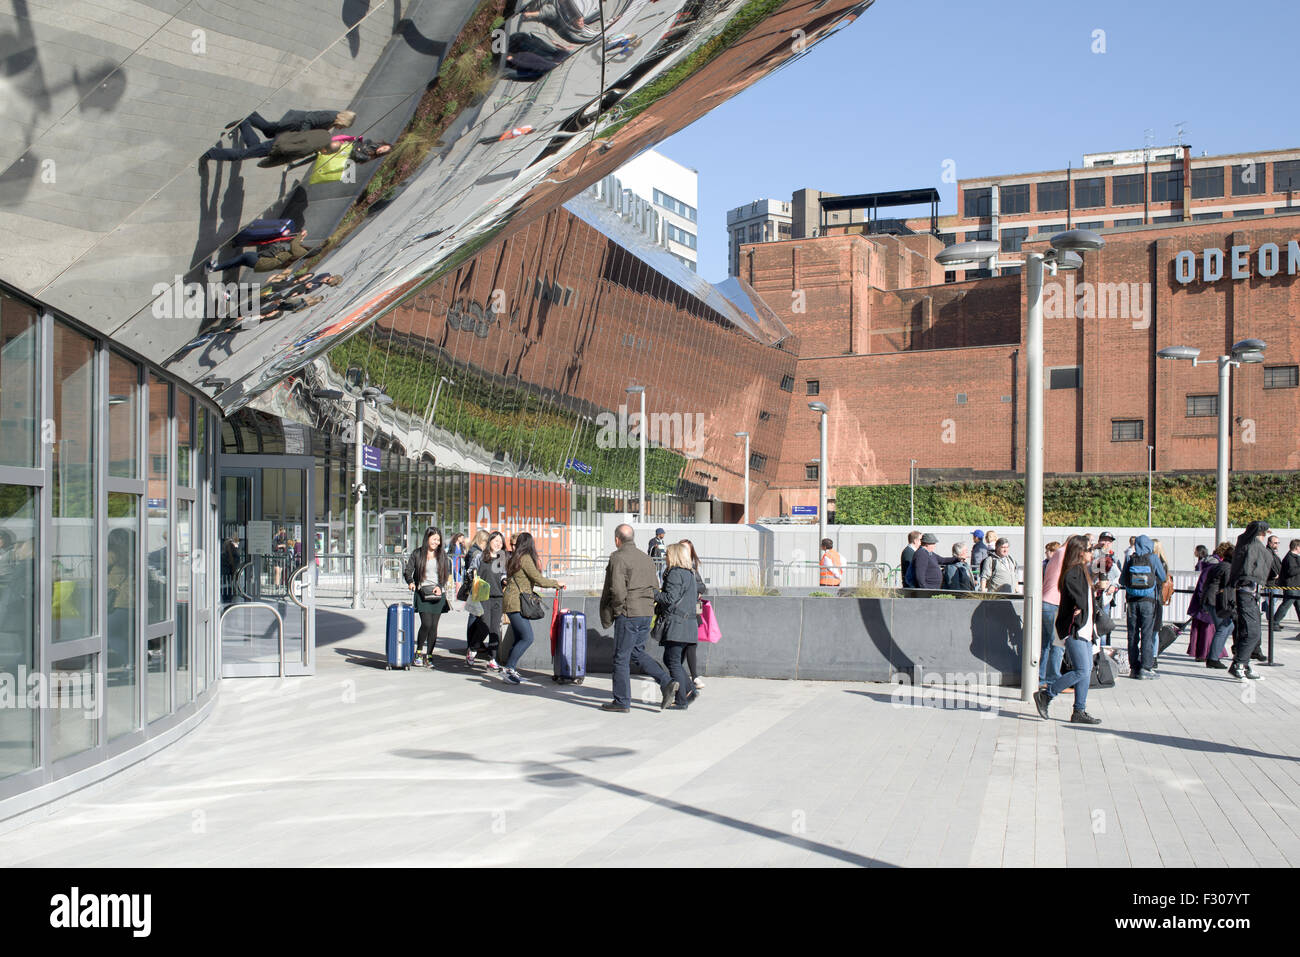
762 221
660 198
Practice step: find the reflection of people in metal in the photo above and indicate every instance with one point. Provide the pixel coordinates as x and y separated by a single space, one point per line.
295 145
229 565
267 257
578 21
295 121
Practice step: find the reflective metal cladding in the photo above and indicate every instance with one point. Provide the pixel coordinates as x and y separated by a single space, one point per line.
304 141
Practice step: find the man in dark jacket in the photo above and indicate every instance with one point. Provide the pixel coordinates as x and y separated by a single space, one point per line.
957 577
627 602
905 559
926 570
978 551
1251 566
1289 578
296 121
1141 579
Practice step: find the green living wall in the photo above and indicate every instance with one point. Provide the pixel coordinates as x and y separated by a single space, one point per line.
1178 501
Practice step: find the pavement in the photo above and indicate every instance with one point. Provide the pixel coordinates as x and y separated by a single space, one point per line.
359 766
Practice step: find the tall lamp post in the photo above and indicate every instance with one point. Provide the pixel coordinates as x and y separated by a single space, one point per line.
823 410
911 491
1064 254
745 436
1247 350
377 397
1151 464
640 428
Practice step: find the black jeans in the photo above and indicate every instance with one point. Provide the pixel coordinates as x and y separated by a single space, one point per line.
428 634
674 652
252 148
691 663
248 258
1247 630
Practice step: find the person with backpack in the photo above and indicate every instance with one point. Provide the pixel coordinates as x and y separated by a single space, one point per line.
1074 630
957 576
1251 566
427 572
1217 600
1141 580
522 577
1000 572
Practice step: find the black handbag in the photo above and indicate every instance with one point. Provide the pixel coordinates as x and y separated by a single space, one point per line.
530 606
1103 672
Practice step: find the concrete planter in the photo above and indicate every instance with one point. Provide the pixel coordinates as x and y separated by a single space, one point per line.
847 639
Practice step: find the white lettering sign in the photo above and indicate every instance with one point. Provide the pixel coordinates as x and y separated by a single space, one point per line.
1267 262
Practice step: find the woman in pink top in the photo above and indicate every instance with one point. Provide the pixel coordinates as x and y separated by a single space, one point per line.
1049 665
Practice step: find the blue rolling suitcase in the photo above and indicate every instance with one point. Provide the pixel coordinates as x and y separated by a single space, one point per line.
261 231
401 636
570 660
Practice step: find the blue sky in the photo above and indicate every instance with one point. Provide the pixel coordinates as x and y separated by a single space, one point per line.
881 104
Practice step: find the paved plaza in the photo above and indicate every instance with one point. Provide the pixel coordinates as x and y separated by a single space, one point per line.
359 766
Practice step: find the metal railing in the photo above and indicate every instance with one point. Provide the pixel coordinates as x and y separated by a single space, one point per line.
279 622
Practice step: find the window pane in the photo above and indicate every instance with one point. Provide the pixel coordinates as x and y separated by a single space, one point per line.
123 612
1014 199
158 691
19 335
1013 238
1286 175
1202 405
123 417
73 488
18 546
1248 179
74 705
184 439
1207 183
158 504
1052 195
1167 186
978 202
1126 190
1281 377
1089 193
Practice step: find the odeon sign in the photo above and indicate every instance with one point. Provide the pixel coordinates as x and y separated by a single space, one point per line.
1237 261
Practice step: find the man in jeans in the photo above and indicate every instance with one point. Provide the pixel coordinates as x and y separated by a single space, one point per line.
627 602
1141 579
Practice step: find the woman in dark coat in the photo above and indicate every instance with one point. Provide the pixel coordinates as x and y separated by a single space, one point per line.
692 665
675 603
427 573
1074 625
492 569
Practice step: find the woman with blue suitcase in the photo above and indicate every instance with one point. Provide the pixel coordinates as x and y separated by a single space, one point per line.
427 573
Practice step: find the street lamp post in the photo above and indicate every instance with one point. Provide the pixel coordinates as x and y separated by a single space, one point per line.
745 435
1063 254
1247 350
640 428
911 492
1151 458
823 410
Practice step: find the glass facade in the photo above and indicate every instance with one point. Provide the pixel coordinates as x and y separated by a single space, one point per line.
97 622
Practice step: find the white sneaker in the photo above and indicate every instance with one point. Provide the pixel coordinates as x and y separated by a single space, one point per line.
697 682
492 665
469 659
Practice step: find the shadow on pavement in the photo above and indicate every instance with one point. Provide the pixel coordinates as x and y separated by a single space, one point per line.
1186 744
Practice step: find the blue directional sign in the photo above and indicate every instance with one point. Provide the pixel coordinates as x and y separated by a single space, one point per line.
803 509
370 458
577 466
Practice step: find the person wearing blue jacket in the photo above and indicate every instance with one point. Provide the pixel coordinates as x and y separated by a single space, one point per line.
1141 578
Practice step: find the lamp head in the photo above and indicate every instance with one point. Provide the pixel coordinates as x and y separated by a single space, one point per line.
635 389
962 254
1243 351
1067 260
1077 240
1179 352
821 407
742 435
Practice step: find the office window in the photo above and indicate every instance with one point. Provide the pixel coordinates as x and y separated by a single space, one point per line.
979 273
1110 162
1126 190
1281 377
1171 218
1239 213
973 234
810 473
1054 195
978 202
1202 405
1067 378
1167 186
961 398
1207 183
787 383
814 387
1128 222
1126 430
1248 179
948 239
1013 199
757 461
784 230
1012 238
1090 193
1011 270
755 232
679 235
1286 175
73 492
674 204
1091 224
1206 216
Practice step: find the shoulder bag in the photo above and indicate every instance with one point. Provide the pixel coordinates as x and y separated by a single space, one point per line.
530 606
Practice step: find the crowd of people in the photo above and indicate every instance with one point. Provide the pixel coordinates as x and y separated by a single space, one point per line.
494 577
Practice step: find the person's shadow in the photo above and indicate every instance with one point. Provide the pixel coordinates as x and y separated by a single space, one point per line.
354 11
220 209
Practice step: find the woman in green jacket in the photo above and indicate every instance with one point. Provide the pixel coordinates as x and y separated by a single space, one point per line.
522 577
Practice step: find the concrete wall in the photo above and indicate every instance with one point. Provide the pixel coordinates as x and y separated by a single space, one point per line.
834 639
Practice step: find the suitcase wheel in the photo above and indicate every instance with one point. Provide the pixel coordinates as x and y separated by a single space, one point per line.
388 667
578 681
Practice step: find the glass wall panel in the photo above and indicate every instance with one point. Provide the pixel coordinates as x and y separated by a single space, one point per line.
184 600
184 440
123 612
72 492
18 548
158 691
19 338
75 703
123 417
158 505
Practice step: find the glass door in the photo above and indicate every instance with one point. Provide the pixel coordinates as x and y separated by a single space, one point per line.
267 568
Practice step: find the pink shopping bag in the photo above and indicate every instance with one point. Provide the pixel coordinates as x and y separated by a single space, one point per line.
709 630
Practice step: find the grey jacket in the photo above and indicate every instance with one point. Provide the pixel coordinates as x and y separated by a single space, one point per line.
630 585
